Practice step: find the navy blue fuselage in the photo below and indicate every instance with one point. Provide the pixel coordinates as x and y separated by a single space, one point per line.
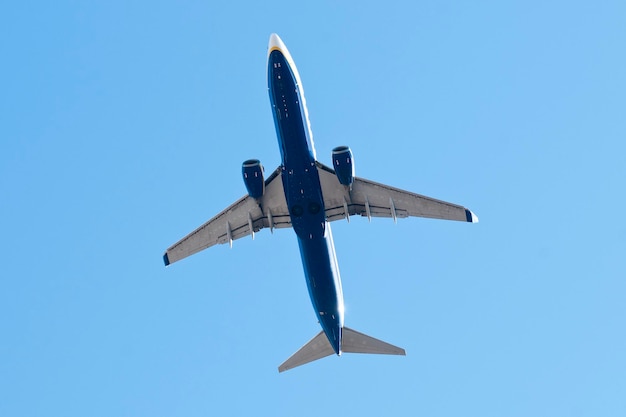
303 193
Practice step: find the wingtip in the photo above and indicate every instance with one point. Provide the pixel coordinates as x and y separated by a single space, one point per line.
471 217
166 259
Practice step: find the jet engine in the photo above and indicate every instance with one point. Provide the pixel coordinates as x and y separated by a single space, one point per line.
252 172
343 163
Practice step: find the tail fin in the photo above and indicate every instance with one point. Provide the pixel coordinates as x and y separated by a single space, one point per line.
352 342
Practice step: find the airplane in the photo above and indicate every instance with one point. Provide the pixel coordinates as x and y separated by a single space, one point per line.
306 195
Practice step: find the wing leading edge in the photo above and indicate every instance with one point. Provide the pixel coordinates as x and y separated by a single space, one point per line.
242 218
371 199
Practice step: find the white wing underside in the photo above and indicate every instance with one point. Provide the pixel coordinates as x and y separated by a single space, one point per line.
366 198
242 218
371 199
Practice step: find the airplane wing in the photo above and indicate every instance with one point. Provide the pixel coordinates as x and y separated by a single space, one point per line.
371 199
242 218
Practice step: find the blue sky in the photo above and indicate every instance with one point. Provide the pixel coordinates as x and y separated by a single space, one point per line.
124 124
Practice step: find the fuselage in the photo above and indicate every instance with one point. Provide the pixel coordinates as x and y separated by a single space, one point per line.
303 192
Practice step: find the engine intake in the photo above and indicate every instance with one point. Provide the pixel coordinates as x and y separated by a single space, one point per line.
343 163
252 172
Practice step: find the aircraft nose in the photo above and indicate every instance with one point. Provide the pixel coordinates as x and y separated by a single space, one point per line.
275 43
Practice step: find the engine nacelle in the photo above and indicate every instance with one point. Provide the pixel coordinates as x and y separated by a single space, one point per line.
343 163
252 172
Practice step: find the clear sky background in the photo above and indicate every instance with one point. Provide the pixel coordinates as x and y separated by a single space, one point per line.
123 126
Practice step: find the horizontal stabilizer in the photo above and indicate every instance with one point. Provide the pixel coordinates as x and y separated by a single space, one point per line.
355 342
317 348
351 342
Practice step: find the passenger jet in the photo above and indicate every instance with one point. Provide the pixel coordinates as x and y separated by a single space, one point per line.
306 195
